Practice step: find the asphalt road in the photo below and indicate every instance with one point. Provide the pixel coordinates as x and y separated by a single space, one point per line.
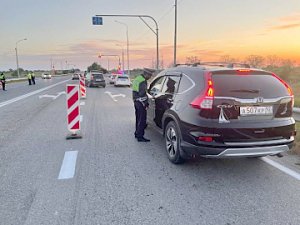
118 180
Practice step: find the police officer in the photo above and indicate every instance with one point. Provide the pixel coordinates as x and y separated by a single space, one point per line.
29 77
139 95
33 78
2 79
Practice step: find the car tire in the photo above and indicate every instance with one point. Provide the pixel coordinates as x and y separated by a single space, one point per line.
172 141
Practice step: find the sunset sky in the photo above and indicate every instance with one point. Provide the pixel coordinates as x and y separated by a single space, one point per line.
62 31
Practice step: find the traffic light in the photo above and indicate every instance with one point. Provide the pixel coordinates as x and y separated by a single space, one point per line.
119 67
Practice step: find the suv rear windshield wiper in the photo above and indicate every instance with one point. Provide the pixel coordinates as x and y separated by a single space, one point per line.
245 90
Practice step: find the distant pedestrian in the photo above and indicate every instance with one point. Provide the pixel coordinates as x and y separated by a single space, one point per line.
140 98
33 78
29 77
2 79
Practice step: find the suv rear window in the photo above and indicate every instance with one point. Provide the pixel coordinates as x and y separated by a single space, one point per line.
248 86
122 78
98 75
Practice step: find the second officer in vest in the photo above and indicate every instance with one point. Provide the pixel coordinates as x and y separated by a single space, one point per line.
139 95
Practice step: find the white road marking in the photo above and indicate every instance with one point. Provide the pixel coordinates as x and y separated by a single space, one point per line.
2 104
68 166
282 168
81 118
52 96
114 96
82 103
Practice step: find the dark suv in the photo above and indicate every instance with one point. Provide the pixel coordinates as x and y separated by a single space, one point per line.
95 79
215 110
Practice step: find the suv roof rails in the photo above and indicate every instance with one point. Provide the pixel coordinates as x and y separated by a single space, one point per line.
232 65
219 64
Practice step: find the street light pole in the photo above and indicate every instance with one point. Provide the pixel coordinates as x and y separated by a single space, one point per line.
128 71
175 33
141 17
113 56
24 39
122 57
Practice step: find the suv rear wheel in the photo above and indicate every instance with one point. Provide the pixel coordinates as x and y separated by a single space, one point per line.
172 139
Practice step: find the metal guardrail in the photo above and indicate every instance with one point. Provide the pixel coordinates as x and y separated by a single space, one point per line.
10 80
296 110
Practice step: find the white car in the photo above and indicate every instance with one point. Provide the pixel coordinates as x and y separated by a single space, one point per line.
112 79
46 76
122 80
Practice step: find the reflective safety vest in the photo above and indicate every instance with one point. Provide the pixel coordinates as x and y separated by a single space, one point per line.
2 77
136 83
29 75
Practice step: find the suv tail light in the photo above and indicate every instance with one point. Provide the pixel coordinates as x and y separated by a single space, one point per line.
285 84
289 89
205 101
92 77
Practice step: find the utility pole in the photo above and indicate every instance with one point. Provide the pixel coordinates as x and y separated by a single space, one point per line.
175 33
24 39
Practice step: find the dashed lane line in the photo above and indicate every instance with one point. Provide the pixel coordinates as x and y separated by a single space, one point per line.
67 170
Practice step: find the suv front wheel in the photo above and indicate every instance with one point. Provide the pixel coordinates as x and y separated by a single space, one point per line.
172 139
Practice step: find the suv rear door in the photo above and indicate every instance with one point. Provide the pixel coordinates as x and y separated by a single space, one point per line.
98 77
251 105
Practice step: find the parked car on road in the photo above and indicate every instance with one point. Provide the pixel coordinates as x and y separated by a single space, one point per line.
112 78
46 76
95 79
214 110
122 80
75 76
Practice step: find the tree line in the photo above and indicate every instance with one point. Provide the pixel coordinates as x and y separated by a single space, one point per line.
283 67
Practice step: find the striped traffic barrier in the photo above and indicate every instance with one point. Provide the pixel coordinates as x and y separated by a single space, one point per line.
82 87
73 111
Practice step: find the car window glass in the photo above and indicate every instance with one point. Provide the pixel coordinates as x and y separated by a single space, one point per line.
249 86
98 75
185 84
171 84
156 86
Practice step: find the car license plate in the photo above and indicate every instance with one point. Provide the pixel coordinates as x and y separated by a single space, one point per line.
256 110
98 80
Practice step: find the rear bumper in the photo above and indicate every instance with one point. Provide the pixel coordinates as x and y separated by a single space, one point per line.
98 83
253 149
122 84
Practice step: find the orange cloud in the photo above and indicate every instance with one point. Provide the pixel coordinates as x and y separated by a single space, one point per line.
286 22
291 18
285 27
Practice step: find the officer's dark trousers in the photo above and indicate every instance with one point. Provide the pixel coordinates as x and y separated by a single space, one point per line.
140 119
3 85
29 81
33 80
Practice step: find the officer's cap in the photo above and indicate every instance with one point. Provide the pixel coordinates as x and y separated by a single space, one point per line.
148 72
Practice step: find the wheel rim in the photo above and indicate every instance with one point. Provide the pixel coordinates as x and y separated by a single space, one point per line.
171 141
